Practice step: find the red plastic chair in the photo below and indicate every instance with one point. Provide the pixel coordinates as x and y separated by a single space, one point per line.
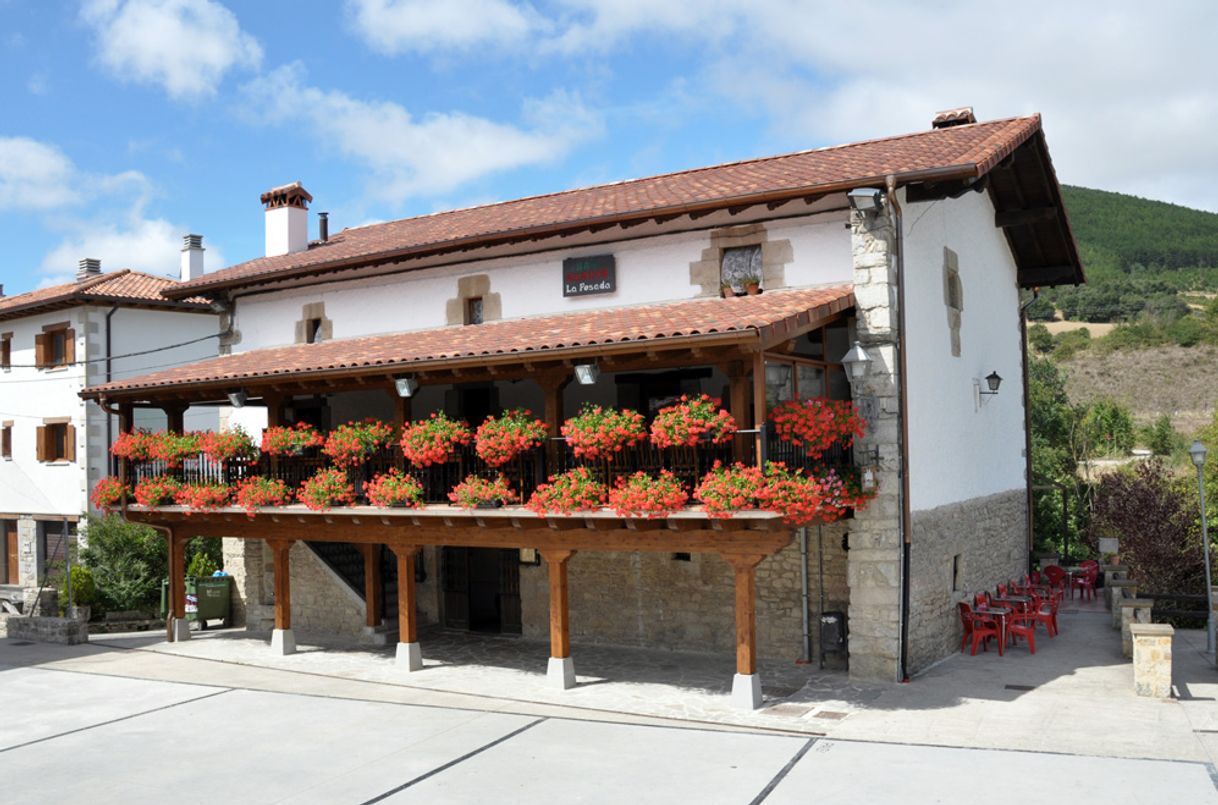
978 628
1058 578
1022 624
981 600
1002 591
1089 564
1036 577
1085 584
1044 611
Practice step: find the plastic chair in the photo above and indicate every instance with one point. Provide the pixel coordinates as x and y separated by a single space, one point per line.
1058 578
1022 624
1044 611
1002 591
1085 584
1036 577
979 629
1089 564
981 600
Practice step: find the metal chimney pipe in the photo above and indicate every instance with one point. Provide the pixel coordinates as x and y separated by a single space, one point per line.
323 226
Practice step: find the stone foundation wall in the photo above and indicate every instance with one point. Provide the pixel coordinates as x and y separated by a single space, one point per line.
651 599
46 630
322 603
983 542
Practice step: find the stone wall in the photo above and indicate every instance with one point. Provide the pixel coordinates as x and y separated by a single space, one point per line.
653 600
46 629
957 550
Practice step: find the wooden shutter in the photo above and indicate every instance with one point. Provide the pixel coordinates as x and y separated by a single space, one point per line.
6 441
69 442
40 350
41 441
69 347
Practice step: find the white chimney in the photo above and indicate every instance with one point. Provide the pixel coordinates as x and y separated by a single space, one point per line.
287 219
88 268
192 257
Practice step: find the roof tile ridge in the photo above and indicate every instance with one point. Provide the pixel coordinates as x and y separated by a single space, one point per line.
689 171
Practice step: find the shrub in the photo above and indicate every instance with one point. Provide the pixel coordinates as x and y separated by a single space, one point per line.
691 421
1040 339
1161 437
326 489
84 588
500 439
157 491
290 441
395 488
429 441
354 442
1109 427
474 491
598 432
201 566
127 561
1066 344
1041 309
257 492
644 495
574 490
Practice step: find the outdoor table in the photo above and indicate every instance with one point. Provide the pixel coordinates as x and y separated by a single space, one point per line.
1072 571
1002 613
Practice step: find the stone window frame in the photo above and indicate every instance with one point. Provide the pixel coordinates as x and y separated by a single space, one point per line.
706 272
953 297
314 327
473 286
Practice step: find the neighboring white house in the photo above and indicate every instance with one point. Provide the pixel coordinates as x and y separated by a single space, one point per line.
53 446
920 245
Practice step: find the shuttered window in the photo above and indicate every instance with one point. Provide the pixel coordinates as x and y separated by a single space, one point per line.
55 346
56 441
6 351
6 440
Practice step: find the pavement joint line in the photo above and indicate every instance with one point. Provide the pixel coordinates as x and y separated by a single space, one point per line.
446 766
761 729
783 772
127 717
692 725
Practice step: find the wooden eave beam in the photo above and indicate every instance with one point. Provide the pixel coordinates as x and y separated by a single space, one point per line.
1033 215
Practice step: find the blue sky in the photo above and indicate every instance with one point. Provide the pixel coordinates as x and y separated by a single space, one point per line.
127 123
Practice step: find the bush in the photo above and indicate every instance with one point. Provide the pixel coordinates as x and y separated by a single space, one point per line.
201 566
1041 309
1109 428
1161 437
1067 343
84 589
127 562
1040 339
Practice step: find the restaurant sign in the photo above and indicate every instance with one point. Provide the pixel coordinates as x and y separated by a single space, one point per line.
585 276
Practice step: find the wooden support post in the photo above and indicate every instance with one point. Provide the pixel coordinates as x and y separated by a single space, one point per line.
746 686
274 410
175 418
738 404
125 422
401 409
759 411
561 670
409 654
552 386
372 585
177 628
283 582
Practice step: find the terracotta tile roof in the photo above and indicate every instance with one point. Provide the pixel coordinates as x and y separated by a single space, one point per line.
125 286
658 325
958 151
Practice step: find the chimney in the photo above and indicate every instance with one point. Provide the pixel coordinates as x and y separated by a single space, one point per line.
953 117
323 227
192 257
287 219
87 269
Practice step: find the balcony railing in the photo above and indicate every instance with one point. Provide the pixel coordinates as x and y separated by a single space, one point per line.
524 473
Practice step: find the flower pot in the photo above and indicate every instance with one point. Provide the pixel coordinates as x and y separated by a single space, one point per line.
490 504
725 291
752 289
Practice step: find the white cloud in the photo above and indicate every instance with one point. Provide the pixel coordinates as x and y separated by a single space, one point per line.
184 46
435 153
420 26
34 175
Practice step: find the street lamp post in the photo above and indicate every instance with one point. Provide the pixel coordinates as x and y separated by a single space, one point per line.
1197 452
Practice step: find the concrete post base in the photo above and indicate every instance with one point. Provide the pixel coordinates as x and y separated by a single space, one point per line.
560 673
409 657
181 630
746 691
283 641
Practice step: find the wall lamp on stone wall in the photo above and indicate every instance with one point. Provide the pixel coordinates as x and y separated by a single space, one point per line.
856 361
992 381
405 386
586 373
867 200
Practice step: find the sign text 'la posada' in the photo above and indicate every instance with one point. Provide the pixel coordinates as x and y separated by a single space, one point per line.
584 276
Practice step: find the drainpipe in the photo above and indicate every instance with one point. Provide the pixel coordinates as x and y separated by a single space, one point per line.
1027 420
805 597
903 424
109 373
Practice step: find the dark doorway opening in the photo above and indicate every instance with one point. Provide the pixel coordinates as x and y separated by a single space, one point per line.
482 589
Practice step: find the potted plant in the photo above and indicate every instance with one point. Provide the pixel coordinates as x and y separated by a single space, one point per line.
203 497
500 439
598 432
726 290
751 283
481 493
290 441
691 421
352 443
157 491
817 423
791 493
431 441
174 448
134 446
257 492
572 491
645 495
228 446
326 489
395 489
109 493
727 490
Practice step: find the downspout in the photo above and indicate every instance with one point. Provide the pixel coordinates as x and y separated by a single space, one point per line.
903 424
109 376
804 594
1027 420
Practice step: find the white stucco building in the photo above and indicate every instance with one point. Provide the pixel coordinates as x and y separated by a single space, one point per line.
916 246
53 343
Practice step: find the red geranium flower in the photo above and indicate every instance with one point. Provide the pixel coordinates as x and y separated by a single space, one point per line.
500 439
691 421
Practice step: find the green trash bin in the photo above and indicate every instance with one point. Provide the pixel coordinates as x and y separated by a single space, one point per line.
207 599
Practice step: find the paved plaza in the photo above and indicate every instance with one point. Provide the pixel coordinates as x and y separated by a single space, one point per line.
132 719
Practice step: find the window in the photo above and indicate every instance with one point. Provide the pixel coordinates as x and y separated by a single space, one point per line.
313 331
806 373
55 346
56 440
740 265
473 310
6 351
6 440
953 297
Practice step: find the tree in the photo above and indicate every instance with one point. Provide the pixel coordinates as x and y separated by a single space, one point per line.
1040 339
1162 437
128 563
1109 428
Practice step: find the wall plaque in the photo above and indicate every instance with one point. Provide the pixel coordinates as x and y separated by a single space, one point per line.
585 276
